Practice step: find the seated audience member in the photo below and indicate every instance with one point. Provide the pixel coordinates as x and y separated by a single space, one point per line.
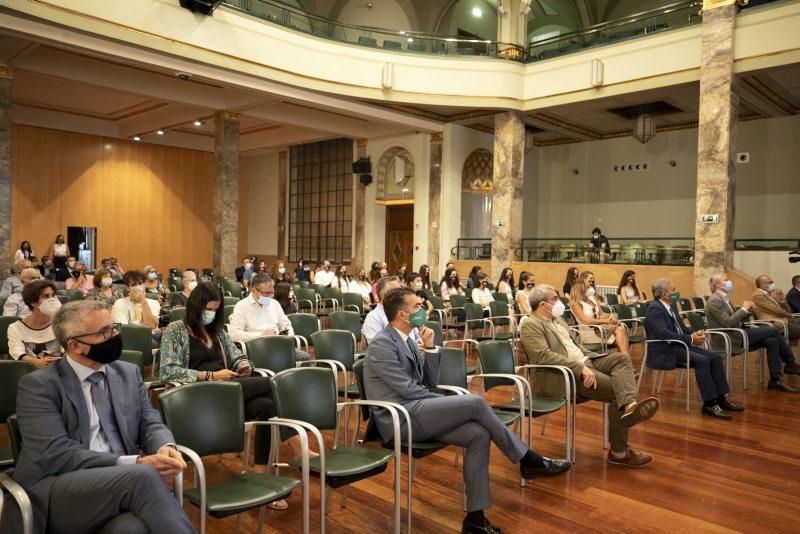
179 298
526 285
197 349
374 272
325 275
46 268
59 251
376 320
15 306
546 340
450 285
260 315
506 284
474 274
397 370
627 290
12 284
25 252
661 322
284 294
481 294
414 281
136 308
117 272
588 277
382 273
425 274
32 338
720 313
153 286
449 265
302 272
385 265
402 272
340 280
239 271
599 247
361 285
103 289
93 461
79 279
280 274
587 310
248 272
793 296
572 275
771 306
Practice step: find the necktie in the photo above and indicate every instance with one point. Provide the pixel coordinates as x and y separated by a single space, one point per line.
413 348
676 322
105 412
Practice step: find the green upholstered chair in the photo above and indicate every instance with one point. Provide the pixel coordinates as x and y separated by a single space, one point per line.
271 354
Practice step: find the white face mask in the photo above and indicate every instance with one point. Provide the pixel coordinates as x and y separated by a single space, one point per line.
137 288
771 287
727 286
291 295
418 285
281 270
71 264
50 306
590 292
246 266
106 282
191 285
558 309
152 276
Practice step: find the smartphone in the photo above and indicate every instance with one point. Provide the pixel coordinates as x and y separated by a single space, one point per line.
76 274
284 332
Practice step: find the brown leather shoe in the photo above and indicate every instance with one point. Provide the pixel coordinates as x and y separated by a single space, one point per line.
639 412
781 386
631 459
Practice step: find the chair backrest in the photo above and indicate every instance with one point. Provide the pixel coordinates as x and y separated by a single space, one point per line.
695 321
699 303
177 313
458 301
138 337
437 332
134 357
496 357
333 293
347 320
307 394
63 299
473 311
5 322
438 303
623 311
502 297
304 284
685 304
304 324
74 294
452 367
641 309
10 373
231 301
15 437
207 417
208 272
334 345
318 288
60 284
275 353
612 298
227 311
499 308
358 371
305 294
350 300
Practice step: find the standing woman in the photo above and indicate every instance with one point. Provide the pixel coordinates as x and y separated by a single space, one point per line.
198 349
25 252
572 275
506 283
59 252
627 290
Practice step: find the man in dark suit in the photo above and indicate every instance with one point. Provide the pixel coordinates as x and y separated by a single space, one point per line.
83 421
793 295
395 370
662 322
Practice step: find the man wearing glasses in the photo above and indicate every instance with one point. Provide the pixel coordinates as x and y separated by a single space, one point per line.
261 315
83 422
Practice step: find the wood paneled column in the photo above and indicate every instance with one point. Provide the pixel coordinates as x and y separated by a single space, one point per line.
509 174
226 192
5 169
716 144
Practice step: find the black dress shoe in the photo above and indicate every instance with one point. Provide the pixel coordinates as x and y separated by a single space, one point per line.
716 411
551 468
791 369
782 386
728 406
468 527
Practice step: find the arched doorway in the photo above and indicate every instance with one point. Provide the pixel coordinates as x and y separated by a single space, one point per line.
477 189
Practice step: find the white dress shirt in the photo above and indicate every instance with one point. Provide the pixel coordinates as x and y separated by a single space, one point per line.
250 318
126 312
97 438
324 278
573 351
15 306
482 296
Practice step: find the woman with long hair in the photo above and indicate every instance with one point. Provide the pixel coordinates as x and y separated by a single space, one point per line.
450 284
374 272
572 275
25 252
526 284
472 279
627 290
425 274
284 294
341 280
59 251
506 283
587 310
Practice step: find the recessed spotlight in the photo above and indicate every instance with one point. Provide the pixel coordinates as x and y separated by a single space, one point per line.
409 39
137 138
476 12
160 132
198 122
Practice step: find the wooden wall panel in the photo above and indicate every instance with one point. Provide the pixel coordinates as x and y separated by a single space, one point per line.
151 204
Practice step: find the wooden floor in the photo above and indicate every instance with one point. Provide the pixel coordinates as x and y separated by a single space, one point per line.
707 476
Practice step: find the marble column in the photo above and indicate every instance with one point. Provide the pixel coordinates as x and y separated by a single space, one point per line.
226 192
6 250
435 205
716 145
509 174
283 208
359 212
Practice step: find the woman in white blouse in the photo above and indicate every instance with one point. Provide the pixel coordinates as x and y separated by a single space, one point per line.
361 285
587 310
627 291
526 284
32 339
450 284
25 252
481 294
58 253
506 283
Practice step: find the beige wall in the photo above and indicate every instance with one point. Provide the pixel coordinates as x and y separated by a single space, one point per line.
261 175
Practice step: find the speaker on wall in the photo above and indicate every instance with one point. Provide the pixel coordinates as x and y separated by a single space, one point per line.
204 7
366 179
362 166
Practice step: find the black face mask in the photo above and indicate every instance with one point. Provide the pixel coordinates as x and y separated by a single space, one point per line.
105 352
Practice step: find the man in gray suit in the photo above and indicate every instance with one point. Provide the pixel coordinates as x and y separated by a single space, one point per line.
83 421
395 370
720 314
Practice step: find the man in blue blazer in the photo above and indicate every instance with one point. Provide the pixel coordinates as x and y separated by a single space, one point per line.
83 422
662 322
398 370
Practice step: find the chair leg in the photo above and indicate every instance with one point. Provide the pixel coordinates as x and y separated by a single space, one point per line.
606 407
261 512
544 424
345 493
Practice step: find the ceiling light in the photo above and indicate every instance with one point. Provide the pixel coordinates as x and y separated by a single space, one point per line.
476 12
402 32
645 128
409 39
137 138
198 122
160 132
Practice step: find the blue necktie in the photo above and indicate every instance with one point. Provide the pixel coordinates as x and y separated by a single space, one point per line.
105 412
676 322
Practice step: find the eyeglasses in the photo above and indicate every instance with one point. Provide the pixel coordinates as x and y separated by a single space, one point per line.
266 293
108 332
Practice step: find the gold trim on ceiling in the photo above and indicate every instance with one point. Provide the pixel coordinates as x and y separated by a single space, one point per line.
433 115
564 125
767 92
396 202
436 137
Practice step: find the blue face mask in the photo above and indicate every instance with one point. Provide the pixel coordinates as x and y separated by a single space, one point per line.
209 316
264 301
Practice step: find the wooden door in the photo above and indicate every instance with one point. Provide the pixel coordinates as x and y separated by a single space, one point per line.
399 237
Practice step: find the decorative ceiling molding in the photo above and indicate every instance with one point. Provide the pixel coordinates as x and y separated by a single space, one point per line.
433 115
764 90
124 113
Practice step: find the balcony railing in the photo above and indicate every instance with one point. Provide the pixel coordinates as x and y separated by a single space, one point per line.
390 40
